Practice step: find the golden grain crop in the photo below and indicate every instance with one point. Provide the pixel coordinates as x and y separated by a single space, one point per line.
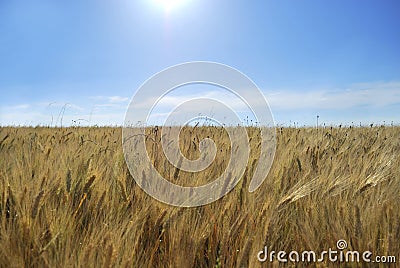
68 199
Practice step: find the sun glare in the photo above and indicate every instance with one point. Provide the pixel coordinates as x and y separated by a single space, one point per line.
169 5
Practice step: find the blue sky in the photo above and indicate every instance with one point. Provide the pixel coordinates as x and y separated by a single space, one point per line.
82 61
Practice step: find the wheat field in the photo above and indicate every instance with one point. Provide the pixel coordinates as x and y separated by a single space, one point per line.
67 199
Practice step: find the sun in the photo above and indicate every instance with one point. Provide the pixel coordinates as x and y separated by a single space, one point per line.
169 5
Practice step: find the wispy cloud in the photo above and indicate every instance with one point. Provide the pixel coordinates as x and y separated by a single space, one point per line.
378 94
110 99
364 102
117 99
171 101
92 111
18 107
380 99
